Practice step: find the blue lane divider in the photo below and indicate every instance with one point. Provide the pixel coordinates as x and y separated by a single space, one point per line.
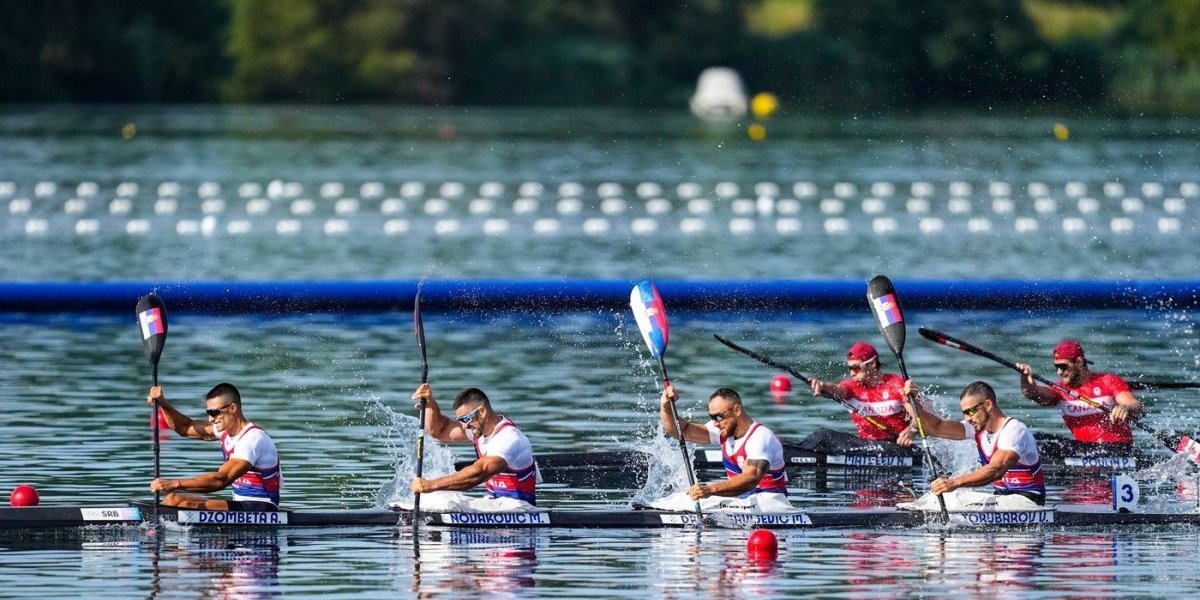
538 295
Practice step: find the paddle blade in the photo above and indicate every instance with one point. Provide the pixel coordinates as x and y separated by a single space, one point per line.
886 306
651 317
152 321
419 329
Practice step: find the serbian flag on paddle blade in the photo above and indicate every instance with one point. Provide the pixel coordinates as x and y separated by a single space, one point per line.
651 316
887 310
152 323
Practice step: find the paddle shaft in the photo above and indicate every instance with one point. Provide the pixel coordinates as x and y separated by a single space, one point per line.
946 340
157 445
419 328
687 461
766 360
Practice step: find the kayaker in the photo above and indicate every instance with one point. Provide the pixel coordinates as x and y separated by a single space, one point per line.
872 393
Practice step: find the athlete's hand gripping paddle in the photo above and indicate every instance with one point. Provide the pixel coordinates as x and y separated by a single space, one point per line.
651 318
885 304
152 323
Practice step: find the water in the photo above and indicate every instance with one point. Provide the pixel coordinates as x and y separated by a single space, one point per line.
333 389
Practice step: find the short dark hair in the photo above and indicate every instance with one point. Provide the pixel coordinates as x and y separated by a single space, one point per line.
225 390
727 393
978 389
470 395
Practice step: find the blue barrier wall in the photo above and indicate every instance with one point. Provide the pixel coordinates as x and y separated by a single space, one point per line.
558 295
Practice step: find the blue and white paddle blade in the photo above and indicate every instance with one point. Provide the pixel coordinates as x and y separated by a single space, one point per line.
651 316
885 304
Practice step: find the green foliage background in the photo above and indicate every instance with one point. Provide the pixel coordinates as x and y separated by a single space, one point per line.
831 55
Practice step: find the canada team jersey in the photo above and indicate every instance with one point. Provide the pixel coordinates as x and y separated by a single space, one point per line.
884 403
759 443
1088 423
1026 475
520 478
264 479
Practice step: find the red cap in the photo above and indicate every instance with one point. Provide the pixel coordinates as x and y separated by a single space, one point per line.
862 352
1068 350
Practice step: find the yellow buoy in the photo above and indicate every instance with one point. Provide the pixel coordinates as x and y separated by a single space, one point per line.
1061 133
128 131
764 104
756 131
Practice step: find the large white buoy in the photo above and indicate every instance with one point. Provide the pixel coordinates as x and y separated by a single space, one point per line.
719 95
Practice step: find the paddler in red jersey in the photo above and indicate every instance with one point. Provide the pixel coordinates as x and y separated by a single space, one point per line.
872 393
1086 422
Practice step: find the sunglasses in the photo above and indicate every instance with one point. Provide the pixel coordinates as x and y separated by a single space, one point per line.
467 418
718 417
215 412
970 412
854 368
1062 366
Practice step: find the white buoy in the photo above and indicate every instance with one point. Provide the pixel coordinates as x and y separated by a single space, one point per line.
524 206
336 227
979 225
917 206
187 227
1114 189
371 190
45 189
999 188
346 206
1169 225
531 189
570 189
804 189
209 189
7 188
19 206
495 226
491 189
1075 189
238 227
658 206
960 189
726 190
688 190
612 206
169 188
1037 189
1174 206
303 206
75 206
700 206
1088 205
884 225
258 206
436 206
884 189
569 206
481 206
447 227
1003 206
873 206
1026 225
1132 205
212 206
832 206
120 206
845 190
719 95
87 189
332 189
452 189
395 227
36 227
391 206
931 225
412 189
921 189
766 188
1121 225
648 189
1045 205
959 206
610 189
1074 225
787 206
87 227
742 206
250 190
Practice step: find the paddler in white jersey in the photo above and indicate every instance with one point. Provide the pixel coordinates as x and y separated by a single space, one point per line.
505 463
251 459
1007 451
752 455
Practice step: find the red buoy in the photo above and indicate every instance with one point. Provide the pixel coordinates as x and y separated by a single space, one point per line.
23 495
762 545
781 383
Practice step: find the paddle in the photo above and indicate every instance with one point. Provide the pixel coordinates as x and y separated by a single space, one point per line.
1164 385
419 328
651 318
1175 443
886 305
766 360
152 322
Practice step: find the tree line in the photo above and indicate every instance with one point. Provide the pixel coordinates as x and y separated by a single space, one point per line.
860 55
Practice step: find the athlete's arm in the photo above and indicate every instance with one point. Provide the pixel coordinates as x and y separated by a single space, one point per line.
691 431
1001 462
205 482
1029 387
181 423
441 427
470 476
751 474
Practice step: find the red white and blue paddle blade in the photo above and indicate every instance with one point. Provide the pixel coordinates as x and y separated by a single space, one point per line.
885 304
651 317
152 322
